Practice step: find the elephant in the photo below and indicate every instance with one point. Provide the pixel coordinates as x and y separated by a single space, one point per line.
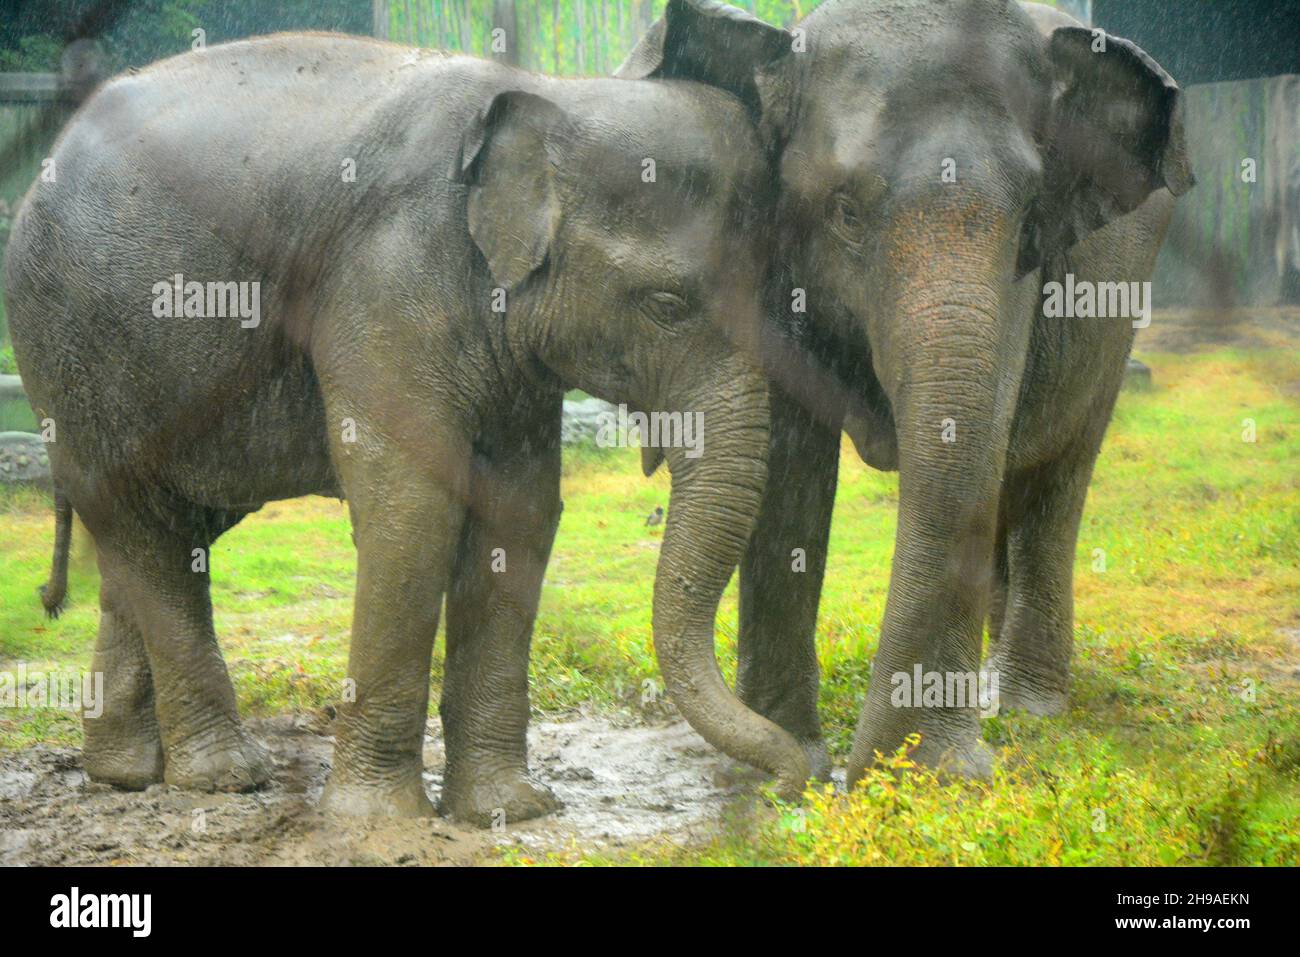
939 166
414 255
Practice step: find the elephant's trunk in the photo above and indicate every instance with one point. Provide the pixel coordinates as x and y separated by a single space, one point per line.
950 364
715 500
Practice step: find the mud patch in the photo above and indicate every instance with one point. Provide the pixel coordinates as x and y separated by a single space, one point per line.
624 784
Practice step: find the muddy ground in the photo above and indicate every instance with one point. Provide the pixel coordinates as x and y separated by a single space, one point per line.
624 783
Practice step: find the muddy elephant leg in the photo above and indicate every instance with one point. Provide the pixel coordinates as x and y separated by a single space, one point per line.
151 571
1032 653
123 745
405 487
491 607
777 673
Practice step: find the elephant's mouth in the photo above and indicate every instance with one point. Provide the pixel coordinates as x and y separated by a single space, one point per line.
868 417
875 441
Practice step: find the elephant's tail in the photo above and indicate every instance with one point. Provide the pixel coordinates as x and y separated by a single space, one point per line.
54 593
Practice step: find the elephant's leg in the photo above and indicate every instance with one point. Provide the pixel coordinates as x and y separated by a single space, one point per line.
491 606
1032 653
151 570
925 674
123 745
781 577
1001 581
405 488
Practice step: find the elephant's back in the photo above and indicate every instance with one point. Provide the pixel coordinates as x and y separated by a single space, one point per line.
235 163
243 164
256 133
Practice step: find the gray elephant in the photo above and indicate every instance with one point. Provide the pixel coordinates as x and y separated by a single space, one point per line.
309 264
941 165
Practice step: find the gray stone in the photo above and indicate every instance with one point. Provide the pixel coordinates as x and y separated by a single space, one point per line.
24 459
582 419
1137 376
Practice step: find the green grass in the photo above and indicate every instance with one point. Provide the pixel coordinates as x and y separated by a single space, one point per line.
1164 758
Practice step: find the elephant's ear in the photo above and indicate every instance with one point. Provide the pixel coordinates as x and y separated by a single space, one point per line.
708 42
1115 136
506 160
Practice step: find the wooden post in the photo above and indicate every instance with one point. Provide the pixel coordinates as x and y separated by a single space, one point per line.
379 16
580 7
555 32
645 16
506 19
602 41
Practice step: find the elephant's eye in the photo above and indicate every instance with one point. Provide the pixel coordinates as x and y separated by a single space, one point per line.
665 308
847 219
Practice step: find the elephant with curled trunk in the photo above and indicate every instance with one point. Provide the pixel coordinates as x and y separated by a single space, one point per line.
425 251
940 165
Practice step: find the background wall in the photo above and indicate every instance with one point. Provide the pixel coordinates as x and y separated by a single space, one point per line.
1235 238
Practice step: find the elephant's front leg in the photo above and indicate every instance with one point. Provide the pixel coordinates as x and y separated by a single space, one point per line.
405 488
514 511
781 577
925 676
1030 655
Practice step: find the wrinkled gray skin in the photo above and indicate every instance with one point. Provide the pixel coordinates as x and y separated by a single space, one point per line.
924 304
376 295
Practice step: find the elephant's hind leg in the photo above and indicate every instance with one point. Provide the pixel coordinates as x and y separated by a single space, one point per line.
1032 650
781 578
491 607
123 745
999 587
150 567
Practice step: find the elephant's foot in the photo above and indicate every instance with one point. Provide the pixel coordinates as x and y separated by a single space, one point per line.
951 747
225 761
129 760
1039 703
1021 692
968 760
406 799
497 798
819 759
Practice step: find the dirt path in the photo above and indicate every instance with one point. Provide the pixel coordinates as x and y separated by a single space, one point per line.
622 785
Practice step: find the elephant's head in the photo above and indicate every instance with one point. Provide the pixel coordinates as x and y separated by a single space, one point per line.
931 158
624 223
